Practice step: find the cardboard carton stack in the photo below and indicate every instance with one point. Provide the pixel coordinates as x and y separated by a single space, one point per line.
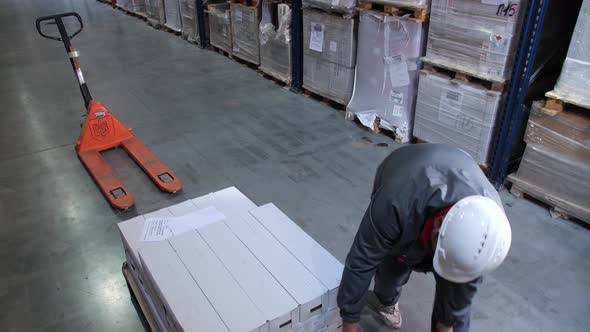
252 269
245 22
471 46
329 43
388 64
275 40
220 34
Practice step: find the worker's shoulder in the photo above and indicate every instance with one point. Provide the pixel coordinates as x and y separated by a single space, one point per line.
430 154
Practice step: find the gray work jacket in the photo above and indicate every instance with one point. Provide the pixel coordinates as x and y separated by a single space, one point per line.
411 185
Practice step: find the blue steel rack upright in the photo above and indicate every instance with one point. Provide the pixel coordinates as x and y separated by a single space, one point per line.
512 116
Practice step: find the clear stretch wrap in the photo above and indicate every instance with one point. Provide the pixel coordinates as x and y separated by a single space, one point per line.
154 10
475 36
556 162
457 113
334 6
275 43
404 3
220 26
245 21
188 15
136 6
574 82
329 56
388 64
172 10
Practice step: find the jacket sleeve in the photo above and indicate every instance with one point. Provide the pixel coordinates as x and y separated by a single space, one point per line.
374 240
452 301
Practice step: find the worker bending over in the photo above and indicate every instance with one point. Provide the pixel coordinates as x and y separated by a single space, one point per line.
431 207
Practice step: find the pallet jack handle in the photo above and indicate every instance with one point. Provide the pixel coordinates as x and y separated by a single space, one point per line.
66 39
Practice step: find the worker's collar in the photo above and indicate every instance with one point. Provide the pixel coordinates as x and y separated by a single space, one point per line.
427 230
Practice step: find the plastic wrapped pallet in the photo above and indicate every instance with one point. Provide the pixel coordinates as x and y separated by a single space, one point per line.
404 3
386 82
220 26
574 82
334 6
154 10
188 15
172 10
555 166
135 6
475 36
457 113
275 42
245 22
329 56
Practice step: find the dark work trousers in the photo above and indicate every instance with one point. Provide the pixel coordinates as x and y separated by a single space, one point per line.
392 274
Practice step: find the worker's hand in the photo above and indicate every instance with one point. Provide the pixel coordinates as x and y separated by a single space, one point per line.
443 328
350 327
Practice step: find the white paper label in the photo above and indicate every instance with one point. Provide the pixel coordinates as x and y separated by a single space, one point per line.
397 111
238 15
451 101
333 46
158 229
335 3
396 97
80 76
398 70
316 42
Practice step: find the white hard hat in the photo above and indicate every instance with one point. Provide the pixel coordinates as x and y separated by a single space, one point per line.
474 239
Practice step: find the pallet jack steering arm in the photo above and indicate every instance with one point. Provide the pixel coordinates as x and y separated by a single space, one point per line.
102 131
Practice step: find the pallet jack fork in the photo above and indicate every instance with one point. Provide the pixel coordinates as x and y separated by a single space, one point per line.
102 131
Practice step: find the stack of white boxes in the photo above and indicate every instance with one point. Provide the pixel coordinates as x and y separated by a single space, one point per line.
477 38
388 65
172 10
255 270
329 48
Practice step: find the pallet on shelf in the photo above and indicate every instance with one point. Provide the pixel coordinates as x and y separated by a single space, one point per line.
418 12
169 30
146 315
463 76
221 51
140 15
374 126
557 103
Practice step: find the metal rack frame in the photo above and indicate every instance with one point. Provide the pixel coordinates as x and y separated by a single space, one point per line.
512 117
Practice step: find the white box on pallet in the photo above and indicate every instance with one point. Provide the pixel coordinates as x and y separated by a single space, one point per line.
275 303
311 254
181 296
475 36
228 299
329 56
388 64
173 20
456 113
574 81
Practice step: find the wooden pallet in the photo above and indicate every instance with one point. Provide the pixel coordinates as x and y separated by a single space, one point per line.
556 104
462 76
220 51
377 129
324 100
277 81
245 62
418 13
141 16
558 208
167 29
146 316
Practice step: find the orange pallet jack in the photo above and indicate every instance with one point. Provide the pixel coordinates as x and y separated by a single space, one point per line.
102 131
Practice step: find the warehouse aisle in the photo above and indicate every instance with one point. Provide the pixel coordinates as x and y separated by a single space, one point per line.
216 124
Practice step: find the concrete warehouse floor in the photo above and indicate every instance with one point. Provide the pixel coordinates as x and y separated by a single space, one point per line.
216 124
